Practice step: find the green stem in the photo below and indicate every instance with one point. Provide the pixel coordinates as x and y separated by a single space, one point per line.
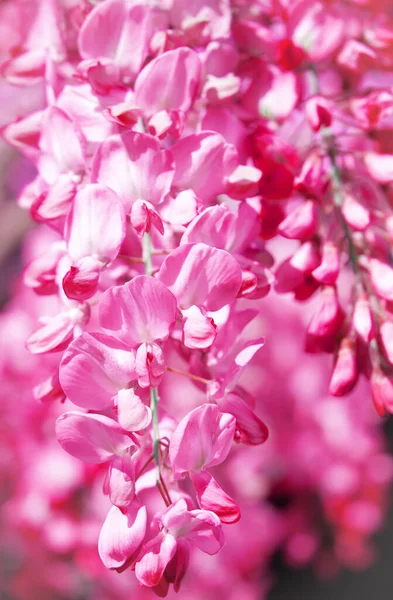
147 249
154 399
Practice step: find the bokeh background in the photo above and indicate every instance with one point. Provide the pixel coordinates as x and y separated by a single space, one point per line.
318 519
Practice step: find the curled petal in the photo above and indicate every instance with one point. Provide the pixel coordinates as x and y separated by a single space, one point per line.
249 428
132 414
143 310
121 536
95 226
81 282
135 167
121 480
119 32
203 163
201 275
201 528
53 336
212 497
91 438
144 217
156 555
202 439
63 142
149 365
169 82
94 368
199 330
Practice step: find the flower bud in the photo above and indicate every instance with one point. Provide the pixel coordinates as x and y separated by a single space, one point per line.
327 272
381 391
362 320
326 323
301 223
345 372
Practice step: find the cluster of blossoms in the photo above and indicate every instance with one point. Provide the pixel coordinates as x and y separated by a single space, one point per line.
310 472
175 144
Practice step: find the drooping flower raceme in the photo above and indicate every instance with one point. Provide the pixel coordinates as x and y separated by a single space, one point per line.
172 144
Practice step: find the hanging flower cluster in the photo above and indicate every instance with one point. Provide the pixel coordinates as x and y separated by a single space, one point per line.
311 494
174 143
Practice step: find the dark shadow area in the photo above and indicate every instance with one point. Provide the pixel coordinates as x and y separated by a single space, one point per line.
375 583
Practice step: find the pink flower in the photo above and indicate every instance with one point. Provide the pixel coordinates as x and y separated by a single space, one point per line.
120 33
121 536
180 530
200 275
98 439
202 440
203 163
92 438
169 82
135 167
95 230
141 311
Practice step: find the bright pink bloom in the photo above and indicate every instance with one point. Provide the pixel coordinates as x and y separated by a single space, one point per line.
141 311
316 27
121 536
356 56
149 365
97 439
278 162
201 440
169 82
198 528
220 227
203 163
213 498
135 167
63 146
272 92
144 216
119 32
94 368
371 110
249 428
95 230
200 275
380 166
132 414
92 438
